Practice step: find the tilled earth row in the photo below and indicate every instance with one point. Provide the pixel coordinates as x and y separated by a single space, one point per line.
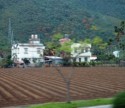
20 86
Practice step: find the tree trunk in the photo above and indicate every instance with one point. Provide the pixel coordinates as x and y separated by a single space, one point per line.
68 92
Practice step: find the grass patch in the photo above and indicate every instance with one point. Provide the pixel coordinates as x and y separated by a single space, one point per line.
76 104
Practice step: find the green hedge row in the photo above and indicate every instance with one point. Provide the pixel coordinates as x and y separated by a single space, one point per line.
85 64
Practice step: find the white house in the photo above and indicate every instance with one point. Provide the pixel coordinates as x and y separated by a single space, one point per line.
33 51
116 54
81 52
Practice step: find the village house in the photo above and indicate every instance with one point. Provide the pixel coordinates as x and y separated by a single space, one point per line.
82 52
32 51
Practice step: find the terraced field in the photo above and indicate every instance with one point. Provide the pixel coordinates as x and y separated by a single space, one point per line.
19 86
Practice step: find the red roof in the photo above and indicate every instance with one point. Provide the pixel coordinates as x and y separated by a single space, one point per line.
63 40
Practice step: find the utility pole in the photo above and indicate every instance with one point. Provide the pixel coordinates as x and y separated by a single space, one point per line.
12 39
10 33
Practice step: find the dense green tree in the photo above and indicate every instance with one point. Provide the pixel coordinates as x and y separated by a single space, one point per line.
120 39
53 45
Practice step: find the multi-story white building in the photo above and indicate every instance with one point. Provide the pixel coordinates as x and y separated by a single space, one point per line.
32 51
81 52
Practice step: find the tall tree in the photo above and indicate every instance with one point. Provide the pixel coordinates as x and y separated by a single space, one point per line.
120 39
54 44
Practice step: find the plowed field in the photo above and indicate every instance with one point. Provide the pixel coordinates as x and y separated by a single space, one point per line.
19 86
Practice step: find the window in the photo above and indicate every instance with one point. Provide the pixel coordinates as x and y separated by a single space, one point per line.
38 50
86 59
79 59
25 50
86 50
74 59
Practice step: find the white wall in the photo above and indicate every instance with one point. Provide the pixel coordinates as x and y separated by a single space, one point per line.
31 51
81 51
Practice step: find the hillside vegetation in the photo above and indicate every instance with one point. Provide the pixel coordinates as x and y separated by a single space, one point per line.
78 18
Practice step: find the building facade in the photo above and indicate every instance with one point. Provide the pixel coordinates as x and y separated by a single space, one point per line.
32 51
81 52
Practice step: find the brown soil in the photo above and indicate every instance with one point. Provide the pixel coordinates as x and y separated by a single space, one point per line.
21 86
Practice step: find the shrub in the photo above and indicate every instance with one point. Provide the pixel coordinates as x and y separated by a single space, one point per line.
119 101
66 63
79 64
83 64
92 63
6 62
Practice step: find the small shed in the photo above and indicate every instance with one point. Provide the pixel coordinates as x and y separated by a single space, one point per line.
55 60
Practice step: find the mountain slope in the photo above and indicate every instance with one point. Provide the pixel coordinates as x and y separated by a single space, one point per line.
79 18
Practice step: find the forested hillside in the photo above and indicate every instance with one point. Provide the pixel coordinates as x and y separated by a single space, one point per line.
78 18
113 8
